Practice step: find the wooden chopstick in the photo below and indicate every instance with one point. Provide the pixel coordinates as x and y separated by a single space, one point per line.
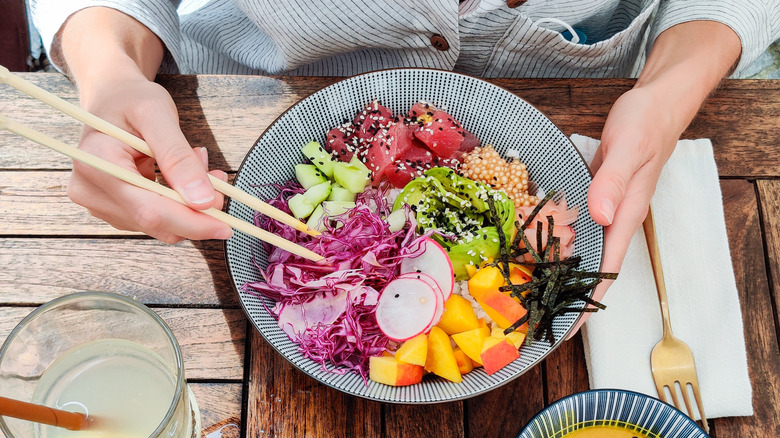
139 181
140 145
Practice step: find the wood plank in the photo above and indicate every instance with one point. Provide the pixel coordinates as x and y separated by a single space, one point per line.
504 411
212 340
769 197
747 252
220 408
438 420
284 402
226 114
565 370
188 273
50 205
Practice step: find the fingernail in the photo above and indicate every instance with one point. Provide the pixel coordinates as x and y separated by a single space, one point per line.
198 192
608 210
204 157
224 234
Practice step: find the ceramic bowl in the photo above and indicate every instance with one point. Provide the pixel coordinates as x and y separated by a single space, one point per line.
647 416
495 115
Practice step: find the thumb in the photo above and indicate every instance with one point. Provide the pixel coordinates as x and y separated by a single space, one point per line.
611 182
179 163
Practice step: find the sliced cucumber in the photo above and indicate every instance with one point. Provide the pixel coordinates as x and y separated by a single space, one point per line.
318 156
352 178
326 209
341 194
355 162
300 206
308 175
315 221
318 193
335 208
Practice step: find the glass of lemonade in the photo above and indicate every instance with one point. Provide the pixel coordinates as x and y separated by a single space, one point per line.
104 355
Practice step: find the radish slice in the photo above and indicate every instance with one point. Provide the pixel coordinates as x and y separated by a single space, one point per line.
406 308
439 295
435 262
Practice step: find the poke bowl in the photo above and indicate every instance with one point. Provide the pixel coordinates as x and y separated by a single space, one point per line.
611 412
490 114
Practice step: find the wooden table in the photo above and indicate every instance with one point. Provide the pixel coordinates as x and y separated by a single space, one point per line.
50 247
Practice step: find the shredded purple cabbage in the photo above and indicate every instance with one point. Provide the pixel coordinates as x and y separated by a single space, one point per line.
361 256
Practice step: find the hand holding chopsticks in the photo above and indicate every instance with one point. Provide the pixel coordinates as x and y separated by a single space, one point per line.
138 144
140 181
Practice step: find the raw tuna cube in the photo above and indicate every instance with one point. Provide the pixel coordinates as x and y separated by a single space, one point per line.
388 145
371 119
341 142
441 134
412 164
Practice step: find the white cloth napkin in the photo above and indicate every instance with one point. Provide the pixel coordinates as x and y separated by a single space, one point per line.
703 300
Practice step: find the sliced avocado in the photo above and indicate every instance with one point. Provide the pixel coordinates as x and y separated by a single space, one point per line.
443 200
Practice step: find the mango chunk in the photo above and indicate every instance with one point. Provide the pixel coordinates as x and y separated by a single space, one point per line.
441 359
458 316
470 342
502 309
487 279
414 350
497 353
516 337
465 364
388 370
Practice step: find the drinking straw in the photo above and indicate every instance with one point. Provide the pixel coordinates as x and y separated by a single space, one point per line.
43 414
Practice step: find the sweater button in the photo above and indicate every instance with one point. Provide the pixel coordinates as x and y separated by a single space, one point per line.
514 3
439 42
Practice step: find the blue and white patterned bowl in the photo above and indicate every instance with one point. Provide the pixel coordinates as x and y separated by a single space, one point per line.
495 115
641 413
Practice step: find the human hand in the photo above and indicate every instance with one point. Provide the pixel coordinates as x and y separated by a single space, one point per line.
638 138
146 110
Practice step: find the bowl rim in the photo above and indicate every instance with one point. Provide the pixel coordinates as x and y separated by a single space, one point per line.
610 391
229 205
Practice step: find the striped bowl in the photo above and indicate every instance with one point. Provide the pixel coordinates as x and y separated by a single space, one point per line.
495 115
636 412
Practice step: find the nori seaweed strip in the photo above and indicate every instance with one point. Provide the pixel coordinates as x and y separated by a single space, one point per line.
516 324
531 251
550 239
503 266
571 261
517 239
536 209
533 319
518 252
549 292
603 275
533 284
539 240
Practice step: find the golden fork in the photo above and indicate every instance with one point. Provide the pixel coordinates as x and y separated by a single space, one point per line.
671 360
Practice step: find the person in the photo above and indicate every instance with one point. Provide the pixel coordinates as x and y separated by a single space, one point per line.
112 50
